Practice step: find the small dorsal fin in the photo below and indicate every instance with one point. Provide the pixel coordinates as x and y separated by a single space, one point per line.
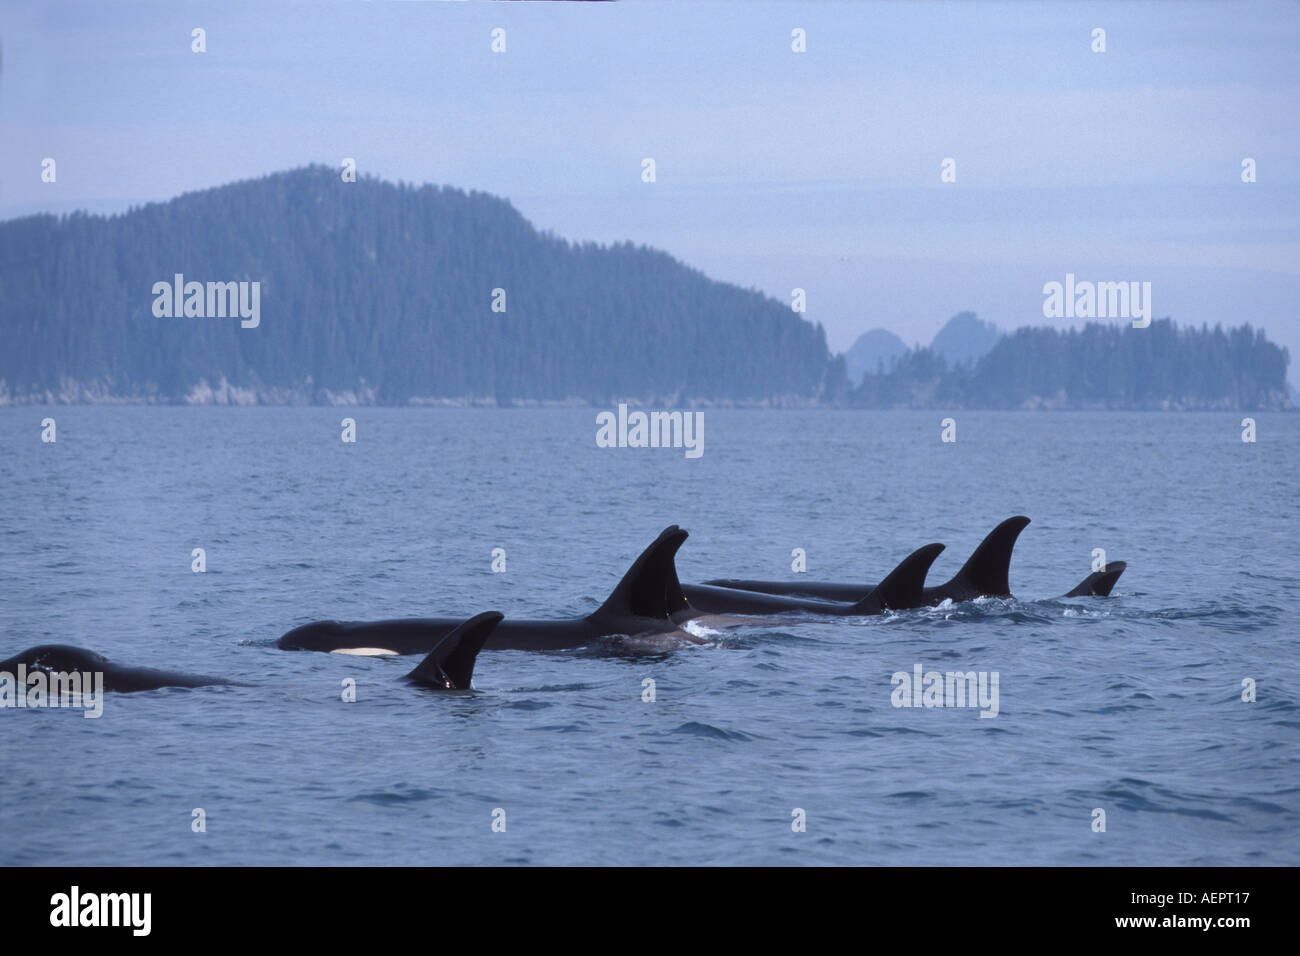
451 663
1099 583
650 587
902 588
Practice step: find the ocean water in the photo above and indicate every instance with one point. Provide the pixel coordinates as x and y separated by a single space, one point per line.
1131 704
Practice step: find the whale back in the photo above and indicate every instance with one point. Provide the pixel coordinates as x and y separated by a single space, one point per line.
55 657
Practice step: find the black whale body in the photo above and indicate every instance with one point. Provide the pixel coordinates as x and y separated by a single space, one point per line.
642 603
985 574
448 666
901 589
64 658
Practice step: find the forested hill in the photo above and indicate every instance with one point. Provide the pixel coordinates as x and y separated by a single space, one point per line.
376 292
1100 366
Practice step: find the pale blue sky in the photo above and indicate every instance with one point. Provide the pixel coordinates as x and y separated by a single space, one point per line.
775 169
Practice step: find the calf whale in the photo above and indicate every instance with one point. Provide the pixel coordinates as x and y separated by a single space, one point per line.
448 666
643 603
985 574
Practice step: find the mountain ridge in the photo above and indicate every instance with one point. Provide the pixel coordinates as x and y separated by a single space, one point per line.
400 294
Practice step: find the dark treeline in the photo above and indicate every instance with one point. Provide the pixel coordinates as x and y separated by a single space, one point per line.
1099 366
385 291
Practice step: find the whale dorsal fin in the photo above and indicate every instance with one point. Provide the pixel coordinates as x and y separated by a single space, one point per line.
650 588
902 587
1099 583
674 597
985 573
451 663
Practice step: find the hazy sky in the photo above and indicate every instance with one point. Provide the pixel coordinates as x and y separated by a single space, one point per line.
775 169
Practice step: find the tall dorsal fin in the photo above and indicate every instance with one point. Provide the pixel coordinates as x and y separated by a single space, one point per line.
451 663
985 573
650 587
902 588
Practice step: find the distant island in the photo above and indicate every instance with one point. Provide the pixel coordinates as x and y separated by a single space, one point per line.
298 288
1162 367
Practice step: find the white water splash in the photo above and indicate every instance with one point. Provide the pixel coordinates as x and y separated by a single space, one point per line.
695 629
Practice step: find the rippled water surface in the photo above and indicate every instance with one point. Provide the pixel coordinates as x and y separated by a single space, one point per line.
1130 704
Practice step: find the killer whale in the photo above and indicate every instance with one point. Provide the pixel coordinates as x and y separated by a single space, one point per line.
903 588
642 603
985 574
65 659
449 665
